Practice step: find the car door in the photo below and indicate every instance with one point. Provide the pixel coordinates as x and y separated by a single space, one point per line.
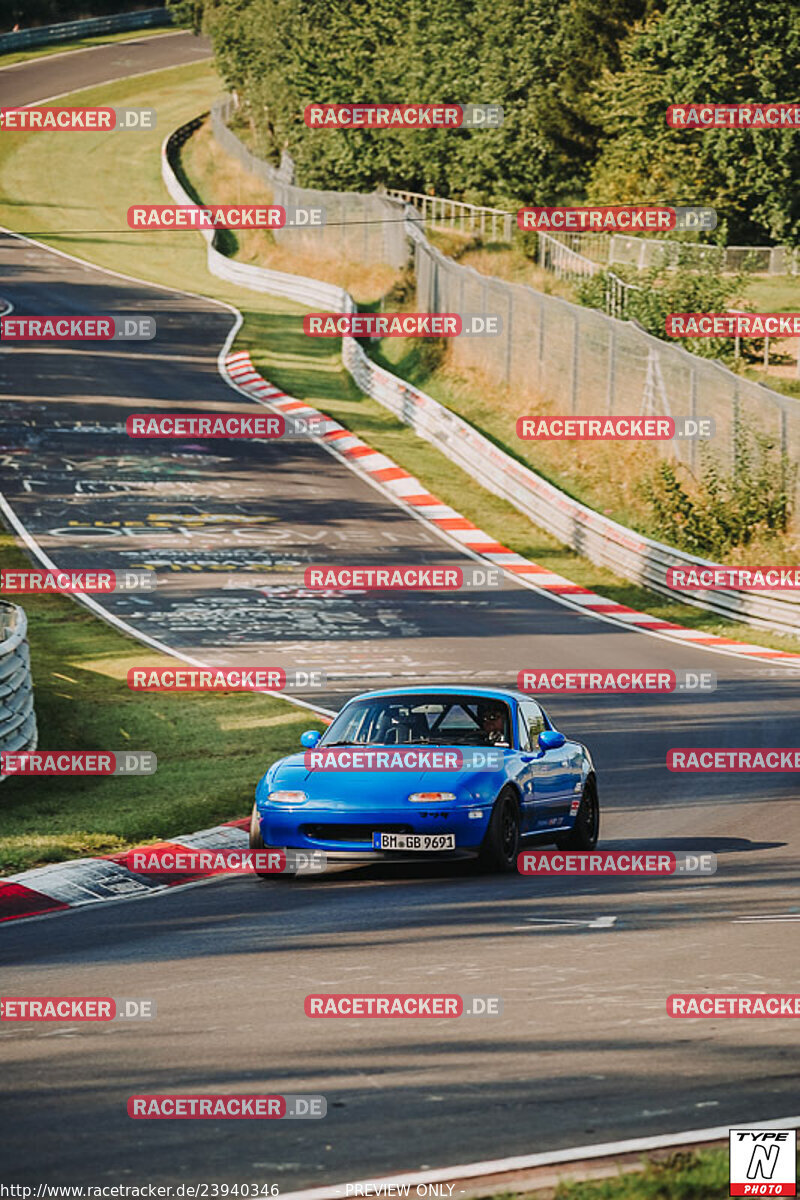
550 775
523 774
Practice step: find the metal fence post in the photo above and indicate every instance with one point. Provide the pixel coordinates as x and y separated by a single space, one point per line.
735 432
692 413
612 364
508 333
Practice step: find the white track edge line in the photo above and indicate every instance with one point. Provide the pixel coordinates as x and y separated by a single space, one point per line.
104 83
37 58
499 1166
111 619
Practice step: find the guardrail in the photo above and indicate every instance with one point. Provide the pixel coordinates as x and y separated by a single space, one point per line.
603 541
312 292
17 716
68 31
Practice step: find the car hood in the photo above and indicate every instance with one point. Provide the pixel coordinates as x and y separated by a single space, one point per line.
380 787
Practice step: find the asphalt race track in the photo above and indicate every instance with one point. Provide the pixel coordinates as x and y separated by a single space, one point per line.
56 74
583 1051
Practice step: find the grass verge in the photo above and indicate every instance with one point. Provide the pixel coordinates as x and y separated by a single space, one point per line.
211 747
683 1175
676 1175
85 214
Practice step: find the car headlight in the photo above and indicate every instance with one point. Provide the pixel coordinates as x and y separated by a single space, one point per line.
431 797
287 797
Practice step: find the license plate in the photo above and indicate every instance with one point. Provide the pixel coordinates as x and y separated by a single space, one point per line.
413 841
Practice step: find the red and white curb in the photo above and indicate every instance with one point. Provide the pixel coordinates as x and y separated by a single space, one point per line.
408 490
85 881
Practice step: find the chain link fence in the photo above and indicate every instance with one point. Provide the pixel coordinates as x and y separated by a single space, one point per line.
579 360
585 363
368 229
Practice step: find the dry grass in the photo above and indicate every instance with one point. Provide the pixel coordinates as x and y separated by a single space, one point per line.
511 264
604 475
501 260
216 173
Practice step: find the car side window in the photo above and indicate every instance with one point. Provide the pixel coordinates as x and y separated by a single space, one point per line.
522 730
534 720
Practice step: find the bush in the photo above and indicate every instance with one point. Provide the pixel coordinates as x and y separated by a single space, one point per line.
683 288
430 354
714 515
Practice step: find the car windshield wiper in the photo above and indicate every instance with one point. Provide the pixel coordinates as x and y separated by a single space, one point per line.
342 744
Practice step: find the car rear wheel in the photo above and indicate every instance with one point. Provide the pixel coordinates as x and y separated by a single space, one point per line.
500 845
257 843
586 830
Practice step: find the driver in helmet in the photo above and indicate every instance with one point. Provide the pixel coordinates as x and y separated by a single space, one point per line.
492 720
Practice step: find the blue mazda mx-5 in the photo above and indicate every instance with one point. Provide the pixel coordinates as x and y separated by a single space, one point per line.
515 777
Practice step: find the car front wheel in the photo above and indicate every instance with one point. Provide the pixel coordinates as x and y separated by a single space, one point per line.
500 845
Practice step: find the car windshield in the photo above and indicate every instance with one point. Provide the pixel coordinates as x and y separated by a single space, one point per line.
433 720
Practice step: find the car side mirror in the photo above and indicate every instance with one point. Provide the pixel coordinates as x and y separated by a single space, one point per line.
310 738
551 739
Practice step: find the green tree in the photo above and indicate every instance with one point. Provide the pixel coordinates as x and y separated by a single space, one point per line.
720 51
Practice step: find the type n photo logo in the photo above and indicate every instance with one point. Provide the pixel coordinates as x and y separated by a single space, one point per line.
763 1162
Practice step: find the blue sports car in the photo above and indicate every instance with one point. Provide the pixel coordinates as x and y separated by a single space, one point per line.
431 772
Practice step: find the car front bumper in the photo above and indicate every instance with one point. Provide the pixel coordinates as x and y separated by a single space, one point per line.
348 833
